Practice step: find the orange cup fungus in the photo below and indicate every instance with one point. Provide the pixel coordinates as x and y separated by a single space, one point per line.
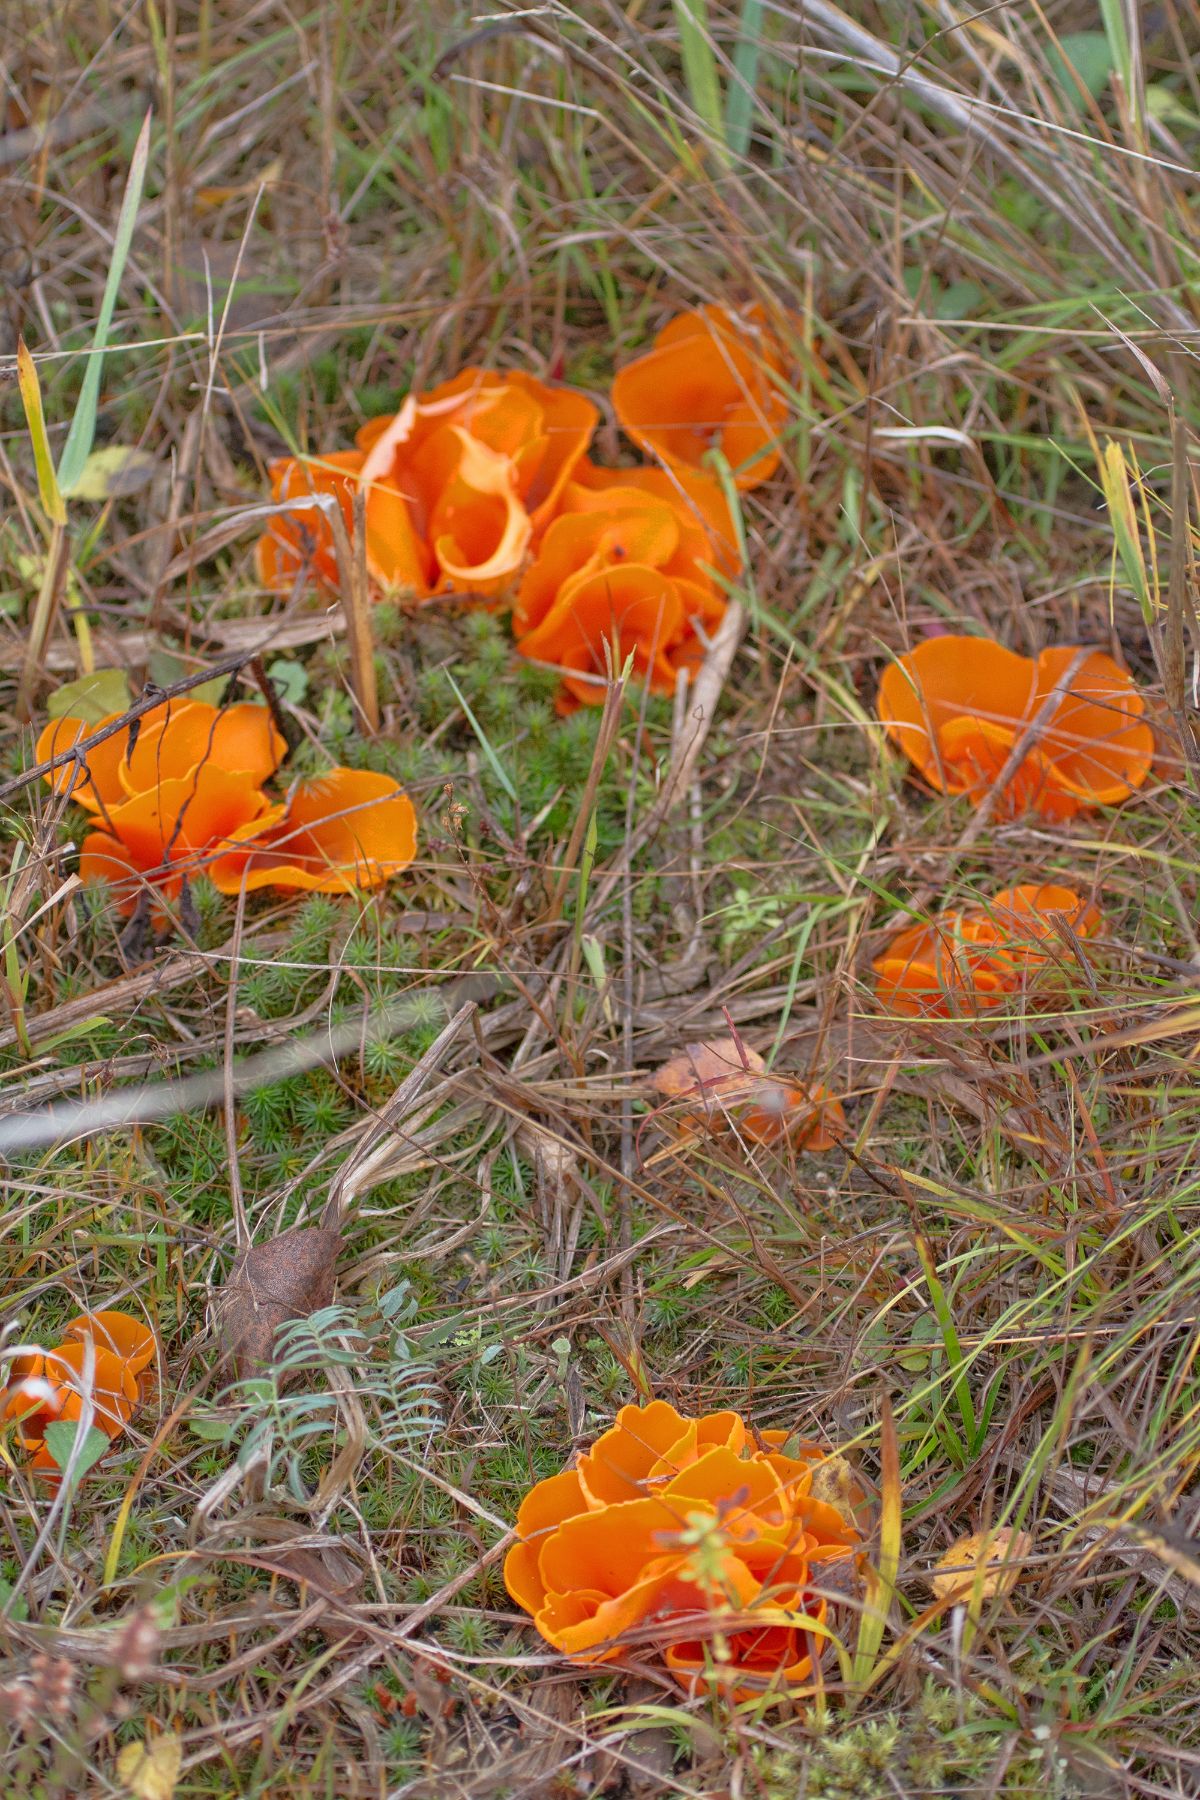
971 960
959 706
343 830
103 1359
630 562
691 1539
721 1084
711 382
482 488
183 795
458 483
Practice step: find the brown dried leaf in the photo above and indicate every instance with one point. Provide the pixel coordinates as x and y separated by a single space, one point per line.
284 1278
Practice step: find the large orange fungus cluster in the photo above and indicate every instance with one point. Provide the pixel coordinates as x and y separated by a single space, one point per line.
691 1540
483 488
181 792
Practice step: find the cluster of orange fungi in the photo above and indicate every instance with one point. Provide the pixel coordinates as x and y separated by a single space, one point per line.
971 960
180 792
1049 735
722 1085
1062 731
691 1539
102 1361
483 488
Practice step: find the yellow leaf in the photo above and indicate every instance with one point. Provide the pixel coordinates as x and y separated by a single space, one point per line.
150 1770
113 472
31 399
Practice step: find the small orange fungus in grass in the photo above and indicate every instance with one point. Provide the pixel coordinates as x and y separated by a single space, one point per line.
722 1084
183 796
985 1563
970 960
959 706
687 1539
711 381
103 1357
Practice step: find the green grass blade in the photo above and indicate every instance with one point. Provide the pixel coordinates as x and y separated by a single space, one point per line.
950 1342
494 763
78 446
739 102
700 64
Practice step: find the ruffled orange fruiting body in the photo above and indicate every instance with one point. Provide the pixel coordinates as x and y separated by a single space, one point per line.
684 1535
627 565
101 1359
117 1333
162 837
958 706
721 1084
710 382
183 796
458 483
779 1111
343 830
972 960
297 547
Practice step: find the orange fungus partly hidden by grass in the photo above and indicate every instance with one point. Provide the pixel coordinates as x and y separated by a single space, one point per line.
100 1361
722 1084
969 960
958 707
711 382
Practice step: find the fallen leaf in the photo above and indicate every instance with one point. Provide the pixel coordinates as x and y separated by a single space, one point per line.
286 1277
113 472
150 1770
91 698
987 1563
716 1070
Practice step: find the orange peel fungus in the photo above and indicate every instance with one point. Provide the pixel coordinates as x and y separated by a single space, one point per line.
959 706
691 1539
721 1084
970 960
710 382
458 484
103 1358
184 795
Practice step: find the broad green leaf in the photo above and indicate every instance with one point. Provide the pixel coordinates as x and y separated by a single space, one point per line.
93 697
290 679
166 668
80 437
1089 53
60 1441
31 398
111 473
